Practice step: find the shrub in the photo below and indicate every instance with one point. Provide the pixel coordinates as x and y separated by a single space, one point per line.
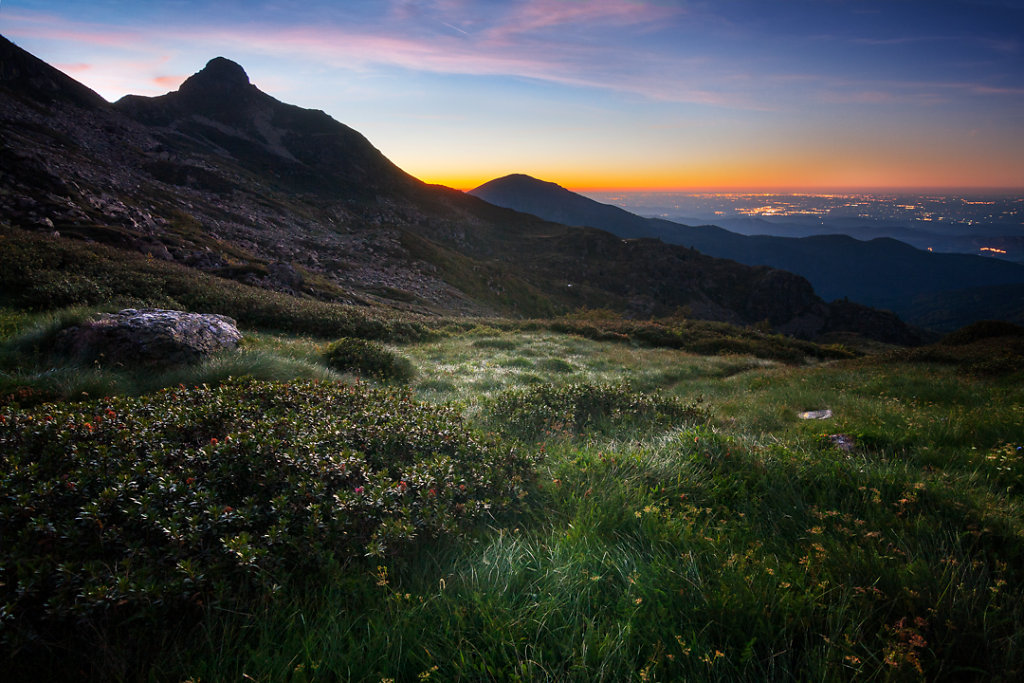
368 358
132 509
574 409
982 330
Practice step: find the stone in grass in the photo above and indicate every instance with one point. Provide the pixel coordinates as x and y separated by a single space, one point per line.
816 414
843 442
149 337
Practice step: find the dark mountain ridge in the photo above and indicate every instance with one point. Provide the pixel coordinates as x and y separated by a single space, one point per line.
218 107
222 177
880 272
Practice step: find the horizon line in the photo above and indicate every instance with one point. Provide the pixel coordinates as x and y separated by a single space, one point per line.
767 189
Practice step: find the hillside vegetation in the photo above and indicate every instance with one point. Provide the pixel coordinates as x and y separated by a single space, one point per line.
546 500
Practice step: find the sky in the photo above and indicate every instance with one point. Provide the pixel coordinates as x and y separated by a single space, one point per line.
599 94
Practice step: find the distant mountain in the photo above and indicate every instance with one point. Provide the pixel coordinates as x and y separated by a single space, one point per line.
881 272
555 203
221 177
956 238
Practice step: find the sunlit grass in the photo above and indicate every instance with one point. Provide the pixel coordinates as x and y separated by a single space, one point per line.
452 367
690 555
751 549
744 546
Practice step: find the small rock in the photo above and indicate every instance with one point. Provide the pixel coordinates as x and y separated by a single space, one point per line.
285 274
816 414
843 442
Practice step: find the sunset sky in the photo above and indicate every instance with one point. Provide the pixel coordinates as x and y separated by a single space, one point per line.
599 94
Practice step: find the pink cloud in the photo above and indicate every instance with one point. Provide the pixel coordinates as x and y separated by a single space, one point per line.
542 14
74 68
169 82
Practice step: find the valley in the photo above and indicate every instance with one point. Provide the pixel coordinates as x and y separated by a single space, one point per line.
924 286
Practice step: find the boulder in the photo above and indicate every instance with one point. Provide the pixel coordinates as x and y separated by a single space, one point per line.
150 336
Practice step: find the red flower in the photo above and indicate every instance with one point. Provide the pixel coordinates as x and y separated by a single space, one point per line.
433 492
359 489
213 440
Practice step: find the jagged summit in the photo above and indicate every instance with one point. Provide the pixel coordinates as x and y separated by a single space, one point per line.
220 75
304 149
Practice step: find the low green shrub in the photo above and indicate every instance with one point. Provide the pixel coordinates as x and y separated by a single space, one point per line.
368 358
574 409
983 329
496 344
141 509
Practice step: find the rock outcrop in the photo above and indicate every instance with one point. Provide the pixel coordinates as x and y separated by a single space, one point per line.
150 337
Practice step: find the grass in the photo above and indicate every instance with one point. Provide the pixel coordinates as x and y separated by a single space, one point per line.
29 375
483 363
691 556
740 543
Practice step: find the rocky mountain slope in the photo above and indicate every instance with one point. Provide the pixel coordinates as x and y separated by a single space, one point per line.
224 178
880 272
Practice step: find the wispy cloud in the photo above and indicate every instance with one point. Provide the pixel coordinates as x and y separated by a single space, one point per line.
168 82
508 44
597 45
539 15
51 27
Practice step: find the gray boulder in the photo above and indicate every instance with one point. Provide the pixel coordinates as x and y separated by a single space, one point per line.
150 336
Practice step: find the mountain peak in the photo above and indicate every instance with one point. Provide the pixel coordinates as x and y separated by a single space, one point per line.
518 181
220 75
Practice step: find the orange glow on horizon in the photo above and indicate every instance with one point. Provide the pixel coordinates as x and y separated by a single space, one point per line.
802 173
745 185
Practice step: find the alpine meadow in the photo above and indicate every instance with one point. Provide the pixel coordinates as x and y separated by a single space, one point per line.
273 408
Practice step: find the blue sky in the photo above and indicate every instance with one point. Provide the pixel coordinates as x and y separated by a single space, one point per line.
613 94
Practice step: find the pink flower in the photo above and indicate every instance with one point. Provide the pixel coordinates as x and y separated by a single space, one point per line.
359 489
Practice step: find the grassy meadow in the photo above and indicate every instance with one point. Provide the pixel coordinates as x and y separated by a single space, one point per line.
521 502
